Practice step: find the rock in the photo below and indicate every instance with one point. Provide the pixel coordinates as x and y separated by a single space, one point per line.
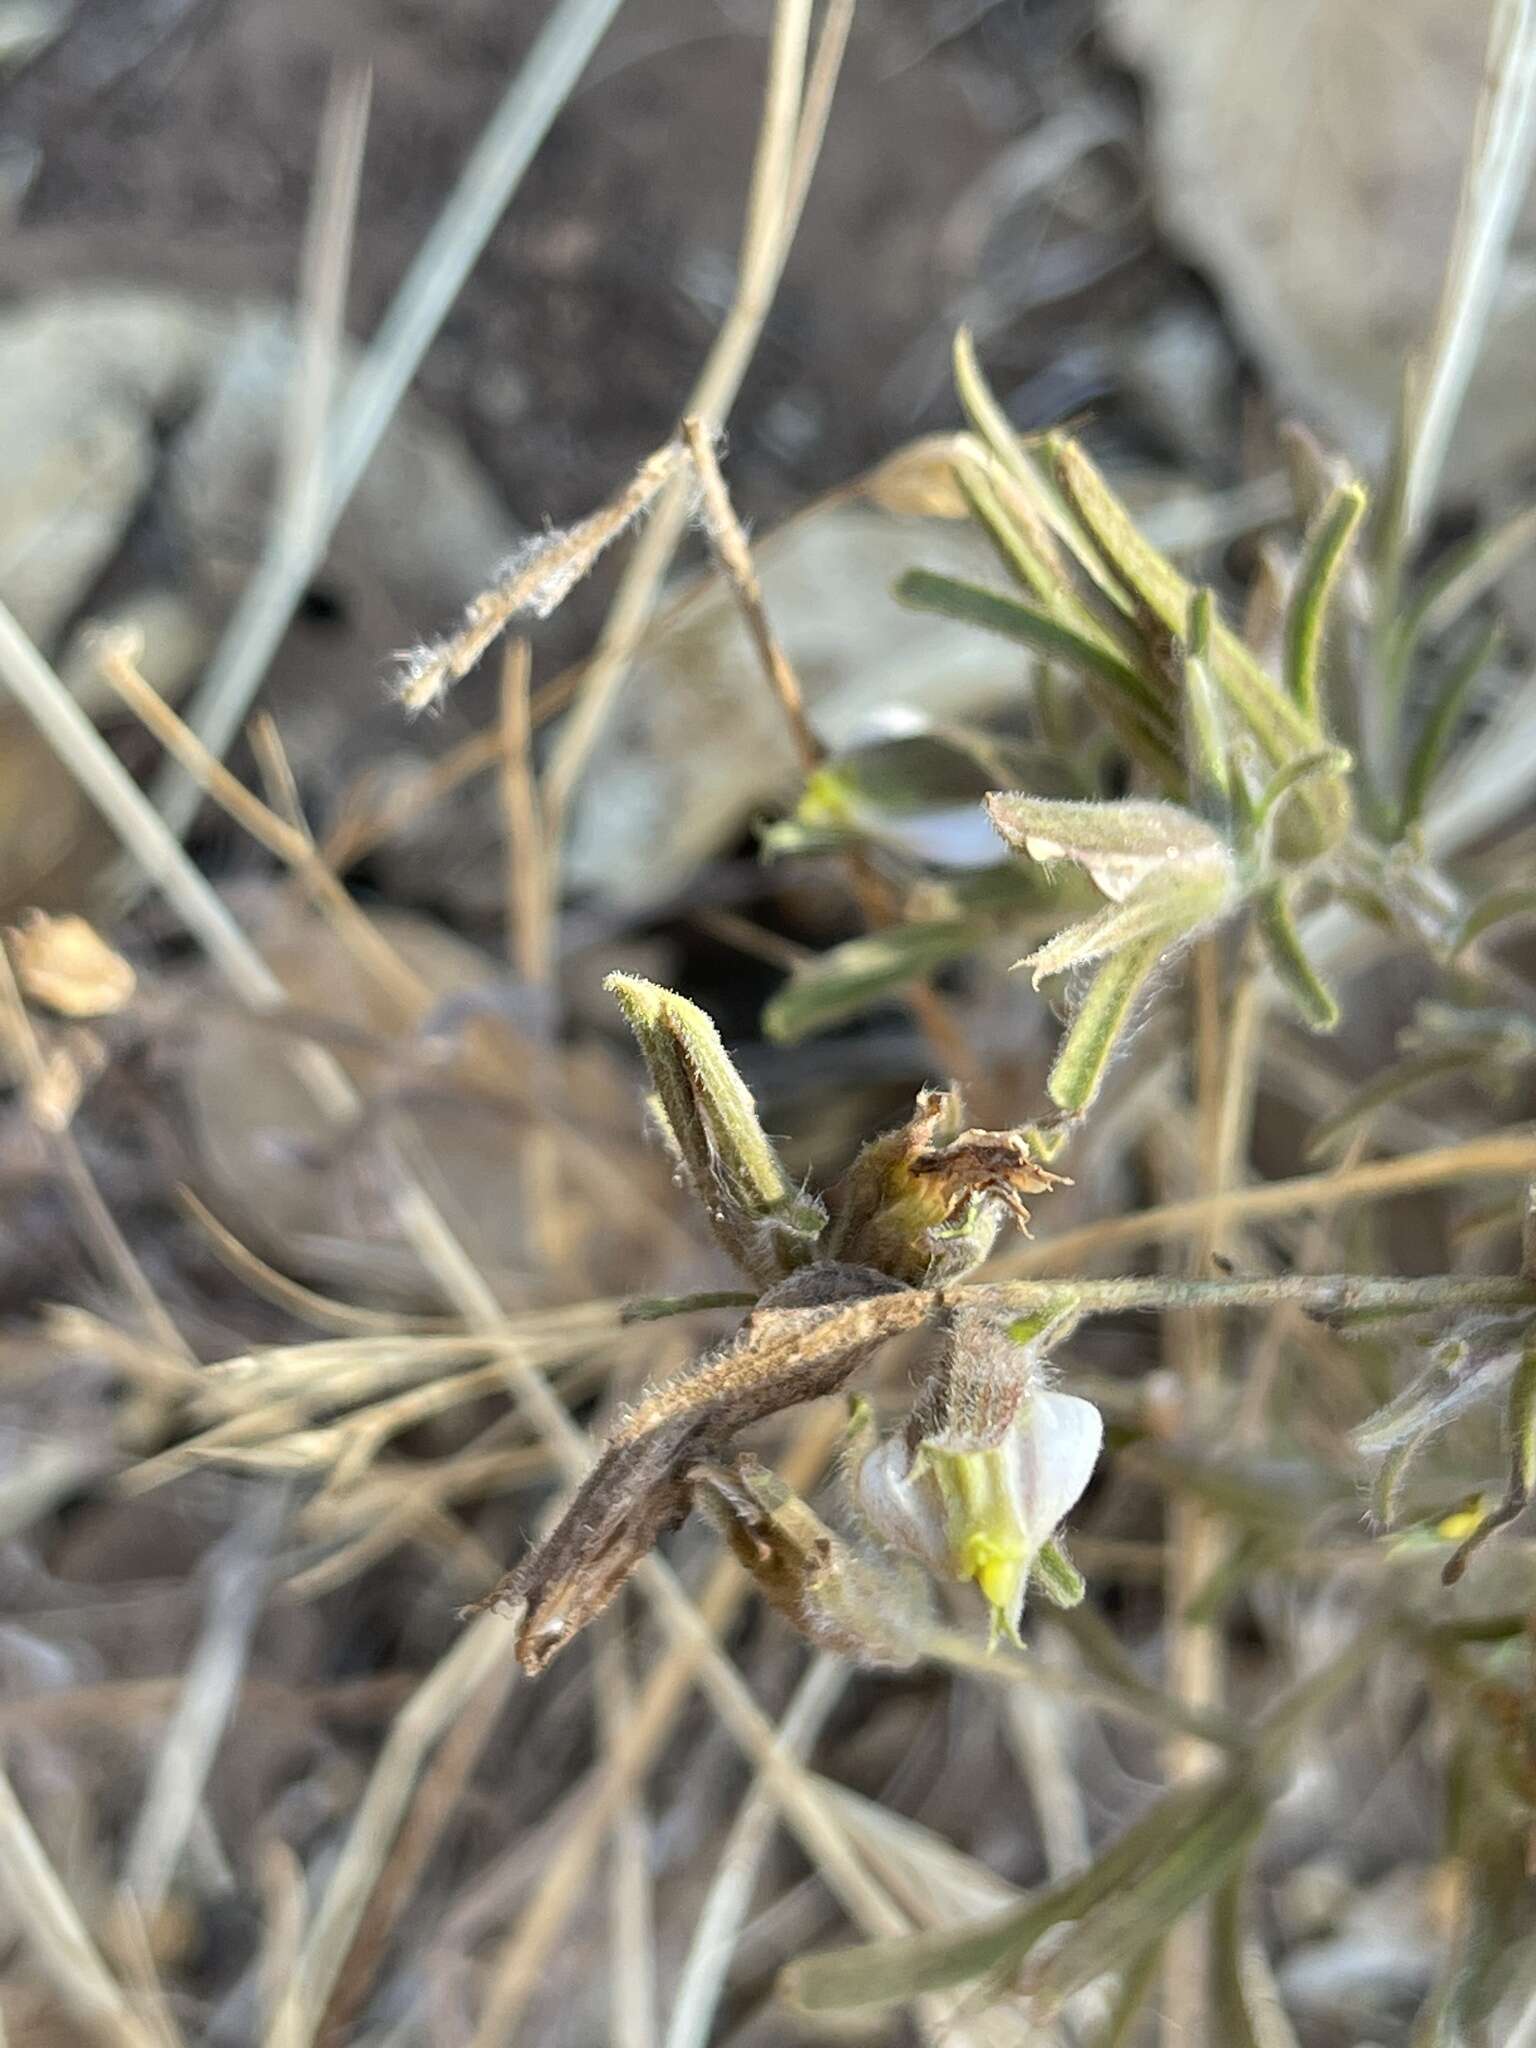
697 744
423 520
86 379
1309 161
93 381
28 28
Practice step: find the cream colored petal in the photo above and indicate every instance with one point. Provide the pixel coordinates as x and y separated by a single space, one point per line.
1052 1454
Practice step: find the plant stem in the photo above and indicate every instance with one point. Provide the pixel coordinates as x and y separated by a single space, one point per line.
1319 1293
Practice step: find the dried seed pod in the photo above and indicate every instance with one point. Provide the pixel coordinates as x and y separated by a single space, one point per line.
877 1611
804 1340
925 1203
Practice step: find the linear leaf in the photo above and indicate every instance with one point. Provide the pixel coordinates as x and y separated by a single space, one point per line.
886 1972
1147 578
1441 721
848 978
1307 616
997 612
1089 1046
1388 1086
1496 909
1191 1861
1287 955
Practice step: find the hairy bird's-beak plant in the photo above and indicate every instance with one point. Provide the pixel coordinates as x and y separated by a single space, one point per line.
1174 790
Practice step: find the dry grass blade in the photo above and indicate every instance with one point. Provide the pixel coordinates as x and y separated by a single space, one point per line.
64 1950
113 1250
237 1580
707 1964
1511 1153
437 1801
478 1657
57 716
324 266
1493 189
290 843
303 1302
489 179
631 1897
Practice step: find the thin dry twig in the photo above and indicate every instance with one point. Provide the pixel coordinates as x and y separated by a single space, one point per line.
1506 1153
728 541
789 141
537 580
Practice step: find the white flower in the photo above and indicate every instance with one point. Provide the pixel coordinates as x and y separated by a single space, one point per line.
983 1510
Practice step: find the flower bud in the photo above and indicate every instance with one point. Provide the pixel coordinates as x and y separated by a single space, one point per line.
706 1112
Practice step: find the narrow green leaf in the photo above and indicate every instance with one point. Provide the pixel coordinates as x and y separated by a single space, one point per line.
1245 2007
1167 908
1089 1046
1450 590
1136 1982
1496 909
1022 542
1441 721
1307 617
1019 460
848 978
1397 1080
890 1972
1301 769
886 1972
1132 709
926 590
1146 578
656 1308
1205 740
1287 956
1191 1861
